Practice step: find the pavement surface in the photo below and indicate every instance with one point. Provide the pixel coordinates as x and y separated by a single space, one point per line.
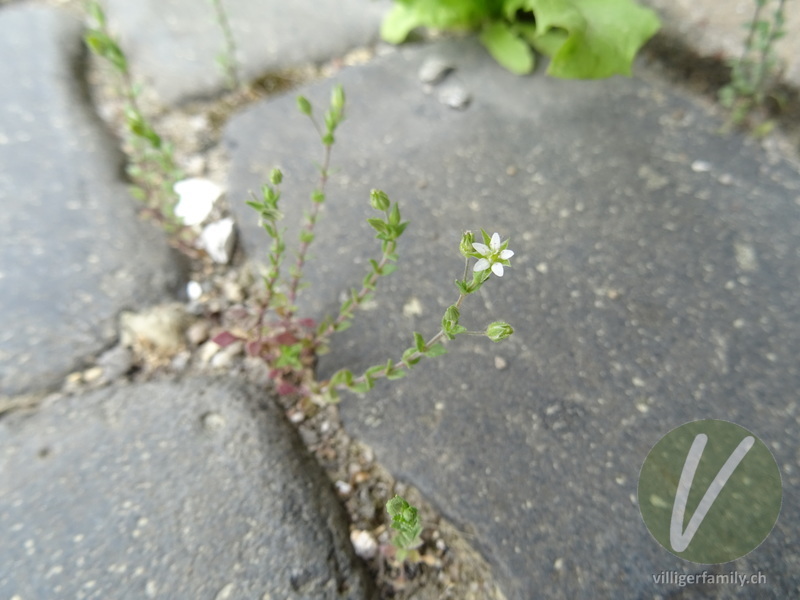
655 282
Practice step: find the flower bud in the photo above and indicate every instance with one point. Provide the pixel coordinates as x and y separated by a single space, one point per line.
450 318
275 177
379 200
466 244
337 98
499 330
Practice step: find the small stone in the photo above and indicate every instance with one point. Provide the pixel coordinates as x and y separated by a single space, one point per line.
726 179
224 358
500 363
218 239
433 70
701 166
198 332
194 290
364 543
455 96
158 330
542 268
92 374
558 565
343 488
233 291
197 198
213 421
207 351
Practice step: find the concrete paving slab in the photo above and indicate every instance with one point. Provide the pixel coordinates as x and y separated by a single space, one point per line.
72 252
168 490
175 44
655 282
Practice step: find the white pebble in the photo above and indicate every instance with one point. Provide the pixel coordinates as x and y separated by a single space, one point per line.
218 239
364 543
196 199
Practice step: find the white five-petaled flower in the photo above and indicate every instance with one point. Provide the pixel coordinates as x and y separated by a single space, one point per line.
492 255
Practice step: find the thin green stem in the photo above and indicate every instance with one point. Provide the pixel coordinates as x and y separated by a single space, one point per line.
308 228
229 61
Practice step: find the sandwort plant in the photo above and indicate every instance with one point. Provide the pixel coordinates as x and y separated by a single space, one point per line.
151 163
289 344
754 72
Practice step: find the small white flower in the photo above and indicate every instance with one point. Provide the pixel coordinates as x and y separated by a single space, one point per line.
492 255
197 198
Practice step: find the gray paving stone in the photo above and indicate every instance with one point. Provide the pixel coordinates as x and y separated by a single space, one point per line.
72 252
655 282
175 44
168 490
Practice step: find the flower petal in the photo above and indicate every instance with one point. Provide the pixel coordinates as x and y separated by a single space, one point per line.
497 269
481 248
481 265
506 254
495 243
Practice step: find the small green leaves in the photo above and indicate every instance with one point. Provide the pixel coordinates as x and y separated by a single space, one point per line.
499 330
407 524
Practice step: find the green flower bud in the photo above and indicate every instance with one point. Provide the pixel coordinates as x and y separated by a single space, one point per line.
337 98
379 200
304 105
499 330
450 318
276 177
466 244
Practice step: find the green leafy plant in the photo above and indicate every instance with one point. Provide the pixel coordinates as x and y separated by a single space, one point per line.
288 344
407 524
754 71
151 165
585 39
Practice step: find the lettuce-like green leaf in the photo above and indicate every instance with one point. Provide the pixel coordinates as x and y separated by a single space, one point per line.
600 37
507 48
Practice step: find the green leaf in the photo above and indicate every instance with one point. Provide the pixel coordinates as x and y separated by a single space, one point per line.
399 23
396 374
419 342
436 350
602 36
507 48
378 225
343 377
303 105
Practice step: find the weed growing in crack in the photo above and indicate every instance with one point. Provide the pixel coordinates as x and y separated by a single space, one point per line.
289 344
151 163
227 58
753 73
406 522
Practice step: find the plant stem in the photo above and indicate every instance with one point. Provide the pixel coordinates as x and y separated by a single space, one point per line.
308 227
230 44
